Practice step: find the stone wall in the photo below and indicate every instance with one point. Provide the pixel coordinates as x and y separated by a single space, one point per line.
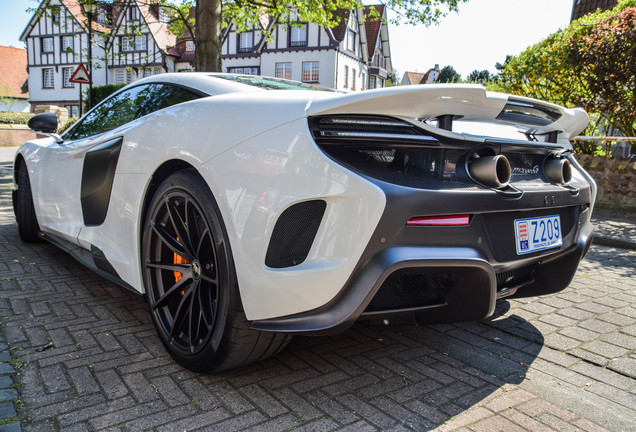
14 135
615 178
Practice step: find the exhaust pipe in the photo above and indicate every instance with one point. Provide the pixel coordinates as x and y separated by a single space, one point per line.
491 171
558 171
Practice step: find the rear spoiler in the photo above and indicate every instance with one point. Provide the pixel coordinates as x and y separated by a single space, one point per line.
468 102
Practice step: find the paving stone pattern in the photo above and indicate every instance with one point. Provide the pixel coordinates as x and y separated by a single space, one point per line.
87 359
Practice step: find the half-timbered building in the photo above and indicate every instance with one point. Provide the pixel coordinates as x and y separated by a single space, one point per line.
132 39
141 42
57 42
353 56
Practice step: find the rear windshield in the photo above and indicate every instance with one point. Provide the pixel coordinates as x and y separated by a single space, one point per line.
269 83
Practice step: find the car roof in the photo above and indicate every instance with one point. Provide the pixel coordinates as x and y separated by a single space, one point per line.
221 83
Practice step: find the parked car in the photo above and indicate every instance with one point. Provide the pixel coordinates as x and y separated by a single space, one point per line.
249 209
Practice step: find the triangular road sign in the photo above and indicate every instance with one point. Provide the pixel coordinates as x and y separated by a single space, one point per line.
80 75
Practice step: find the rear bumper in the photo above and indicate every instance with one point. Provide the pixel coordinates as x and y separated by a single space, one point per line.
450 274
472 297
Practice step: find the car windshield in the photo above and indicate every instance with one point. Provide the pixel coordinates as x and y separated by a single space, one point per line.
269 83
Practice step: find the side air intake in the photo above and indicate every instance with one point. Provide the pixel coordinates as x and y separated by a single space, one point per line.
294 234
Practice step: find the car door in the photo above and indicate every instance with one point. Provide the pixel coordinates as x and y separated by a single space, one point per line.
66 170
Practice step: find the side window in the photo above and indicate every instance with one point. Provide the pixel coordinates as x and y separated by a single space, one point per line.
114 112
164 95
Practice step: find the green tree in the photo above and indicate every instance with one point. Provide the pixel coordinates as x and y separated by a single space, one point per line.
479 77
210 17
327 13
591 64
448 75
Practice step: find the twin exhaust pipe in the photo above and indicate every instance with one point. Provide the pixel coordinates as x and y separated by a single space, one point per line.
494 171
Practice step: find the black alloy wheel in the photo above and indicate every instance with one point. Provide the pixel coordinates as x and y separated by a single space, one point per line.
191 284
182 267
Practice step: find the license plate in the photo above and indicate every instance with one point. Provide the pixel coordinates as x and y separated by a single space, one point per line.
535 234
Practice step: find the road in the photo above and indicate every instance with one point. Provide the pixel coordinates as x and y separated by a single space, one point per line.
85 357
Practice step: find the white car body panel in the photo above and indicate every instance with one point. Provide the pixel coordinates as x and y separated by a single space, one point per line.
229 139
354 207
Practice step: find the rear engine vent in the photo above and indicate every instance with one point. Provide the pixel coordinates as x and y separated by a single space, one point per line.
412 289
398 152
294 234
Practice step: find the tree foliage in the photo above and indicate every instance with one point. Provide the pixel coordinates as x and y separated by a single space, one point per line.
327 13
205 26
448 74
479 77
591 64
606 57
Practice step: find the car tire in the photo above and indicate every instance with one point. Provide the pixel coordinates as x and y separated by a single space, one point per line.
191 283
28 227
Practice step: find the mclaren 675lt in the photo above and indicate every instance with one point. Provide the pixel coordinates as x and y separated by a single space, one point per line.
249 209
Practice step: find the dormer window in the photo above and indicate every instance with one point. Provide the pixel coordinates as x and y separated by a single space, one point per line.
189 46
133 14
101 16
164 15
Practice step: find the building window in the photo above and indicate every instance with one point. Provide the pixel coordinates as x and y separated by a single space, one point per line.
67 44
283 70
126 43
133 14
346 77
151 71
353 79
246 42
298 35
73 110
67 73
47 45
364 80
123 76
101 16
164 15
248 70
371 82
189 46
133 43
48 80
311 72
351 40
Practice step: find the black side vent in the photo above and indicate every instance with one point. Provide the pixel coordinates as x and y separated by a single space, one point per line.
294 234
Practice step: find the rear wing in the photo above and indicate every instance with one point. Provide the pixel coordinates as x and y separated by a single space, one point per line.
468 102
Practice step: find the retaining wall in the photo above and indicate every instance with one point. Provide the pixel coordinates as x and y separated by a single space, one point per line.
615 178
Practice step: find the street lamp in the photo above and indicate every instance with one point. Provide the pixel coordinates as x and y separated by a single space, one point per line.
90 9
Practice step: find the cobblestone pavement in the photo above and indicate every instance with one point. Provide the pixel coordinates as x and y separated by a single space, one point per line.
86 358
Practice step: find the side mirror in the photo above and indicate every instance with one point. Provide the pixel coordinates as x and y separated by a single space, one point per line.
46 124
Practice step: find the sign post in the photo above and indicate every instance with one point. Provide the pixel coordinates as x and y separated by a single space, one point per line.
80 76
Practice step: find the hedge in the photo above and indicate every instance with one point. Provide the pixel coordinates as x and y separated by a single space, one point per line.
8 117
100 93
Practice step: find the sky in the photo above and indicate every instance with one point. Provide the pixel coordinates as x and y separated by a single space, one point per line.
476 38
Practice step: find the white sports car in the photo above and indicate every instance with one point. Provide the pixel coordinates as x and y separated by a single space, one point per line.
247 209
